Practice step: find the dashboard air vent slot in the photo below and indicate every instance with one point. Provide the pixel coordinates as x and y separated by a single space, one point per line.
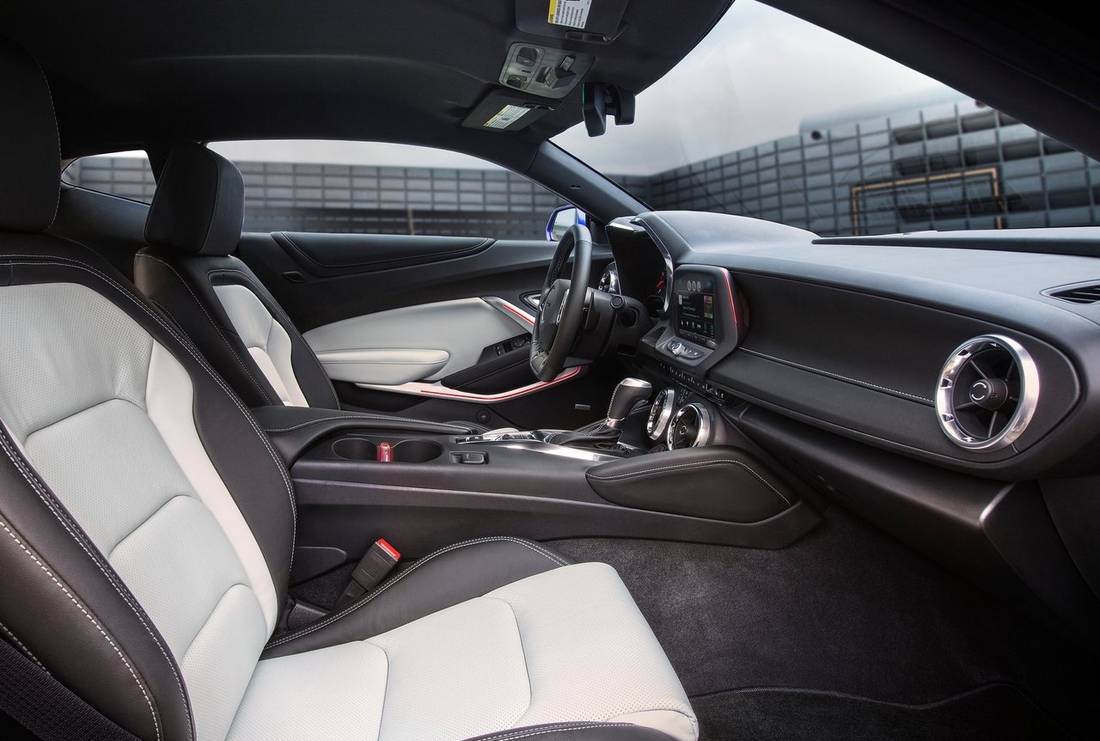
1089 294
987 393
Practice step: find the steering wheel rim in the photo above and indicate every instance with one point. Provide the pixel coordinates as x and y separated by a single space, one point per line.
560 308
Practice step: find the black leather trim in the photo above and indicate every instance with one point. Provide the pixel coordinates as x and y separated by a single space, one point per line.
578 731
29 145
199 203
55 618
293 429
311 375
183 286
330 255
439 580
716 482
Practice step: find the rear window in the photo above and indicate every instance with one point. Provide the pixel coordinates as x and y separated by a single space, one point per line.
125 174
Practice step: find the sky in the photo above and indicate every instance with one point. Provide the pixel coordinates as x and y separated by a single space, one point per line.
753 79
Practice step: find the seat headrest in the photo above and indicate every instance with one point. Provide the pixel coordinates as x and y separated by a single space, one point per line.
30 152
198 206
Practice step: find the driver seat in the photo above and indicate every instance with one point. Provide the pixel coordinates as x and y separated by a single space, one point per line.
189 271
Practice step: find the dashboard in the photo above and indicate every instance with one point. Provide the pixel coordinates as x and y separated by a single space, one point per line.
958 357
945 386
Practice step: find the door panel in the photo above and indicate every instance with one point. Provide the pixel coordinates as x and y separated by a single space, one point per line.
400 321
423 342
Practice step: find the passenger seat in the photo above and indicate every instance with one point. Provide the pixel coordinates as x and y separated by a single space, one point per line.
147 532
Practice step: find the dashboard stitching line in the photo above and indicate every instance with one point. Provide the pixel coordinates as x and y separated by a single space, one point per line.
838 376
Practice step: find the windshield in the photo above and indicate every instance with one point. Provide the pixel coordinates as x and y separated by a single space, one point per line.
775 118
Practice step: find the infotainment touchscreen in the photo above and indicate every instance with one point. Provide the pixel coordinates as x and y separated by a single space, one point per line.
695 306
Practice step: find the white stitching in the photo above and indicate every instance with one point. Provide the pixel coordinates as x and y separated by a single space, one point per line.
701 464
27 651
519 733
217 329
838 376
372 417
398 577
186 344
110 641
39 488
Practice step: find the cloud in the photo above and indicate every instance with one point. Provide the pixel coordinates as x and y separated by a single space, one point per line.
751 80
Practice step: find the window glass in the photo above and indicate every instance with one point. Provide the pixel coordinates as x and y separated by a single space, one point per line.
125 174
773 117
334 186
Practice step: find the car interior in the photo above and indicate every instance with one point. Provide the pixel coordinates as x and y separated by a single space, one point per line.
666 474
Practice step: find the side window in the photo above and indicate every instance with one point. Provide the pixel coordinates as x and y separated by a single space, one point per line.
125 174
371 188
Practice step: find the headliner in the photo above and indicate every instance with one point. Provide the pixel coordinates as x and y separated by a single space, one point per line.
133 73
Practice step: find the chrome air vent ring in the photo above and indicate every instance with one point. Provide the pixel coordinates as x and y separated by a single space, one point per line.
660 413
690 428
987 393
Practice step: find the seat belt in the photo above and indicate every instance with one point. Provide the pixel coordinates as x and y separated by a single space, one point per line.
375 565
32 697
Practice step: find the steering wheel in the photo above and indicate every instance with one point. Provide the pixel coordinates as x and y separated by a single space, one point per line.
561 308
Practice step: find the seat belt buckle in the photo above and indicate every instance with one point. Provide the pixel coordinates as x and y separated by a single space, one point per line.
375 565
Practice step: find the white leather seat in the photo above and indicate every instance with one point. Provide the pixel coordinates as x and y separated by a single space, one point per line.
148 529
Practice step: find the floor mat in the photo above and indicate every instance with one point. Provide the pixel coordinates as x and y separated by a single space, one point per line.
991 712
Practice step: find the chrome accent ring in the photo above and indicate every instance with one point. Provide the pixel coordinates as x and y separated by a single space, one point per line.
702 436
660 413
1025 408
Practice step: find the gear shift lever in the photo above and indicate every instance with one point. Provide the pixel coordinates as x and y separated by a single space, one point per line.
606 432
628 393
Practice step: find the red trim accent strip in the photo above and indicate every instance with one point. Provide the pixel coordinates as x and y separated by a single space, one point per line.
729 291
517 313
532 388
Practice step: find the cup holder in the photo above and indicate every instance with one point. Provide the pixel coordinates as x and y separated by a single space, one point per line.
405 451
417 451
355 449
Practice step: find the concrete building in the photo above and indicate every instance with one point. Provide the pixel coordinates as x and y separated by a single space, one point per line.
946 165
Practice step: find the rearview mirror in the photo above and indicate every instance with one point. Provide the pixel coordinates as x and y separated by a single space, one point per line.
561 219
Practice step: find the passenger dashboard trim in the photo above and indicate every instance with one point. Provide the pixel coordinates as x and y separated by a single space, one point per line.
840 377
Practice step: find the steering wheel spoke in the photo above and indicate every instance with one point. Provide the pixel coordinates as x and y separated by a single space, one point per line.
561 309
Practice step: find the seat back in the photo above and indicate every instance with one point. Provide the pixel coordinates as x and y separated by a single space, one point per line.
147 523
193 227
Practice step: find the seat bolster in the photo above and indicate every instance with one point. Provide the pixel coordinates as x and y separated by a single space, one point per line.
172 282
442 579
579 731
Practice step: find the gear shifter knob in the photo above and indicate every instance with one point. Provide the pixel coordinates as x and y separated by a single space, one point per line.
628 393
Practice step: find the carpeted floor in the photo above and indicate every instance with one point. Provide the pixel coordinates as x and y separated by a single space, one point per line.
876 636
990 712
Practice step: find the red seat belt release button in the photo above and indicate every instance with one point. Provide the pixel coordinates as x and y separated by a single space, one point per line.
375 565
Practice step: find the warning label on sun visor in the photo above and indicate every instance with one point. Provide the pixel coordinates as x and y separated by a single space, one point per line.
571 13
506 116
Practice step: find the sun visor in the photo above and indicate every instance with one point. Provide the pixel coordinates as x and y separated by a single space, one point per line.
592 21
501 110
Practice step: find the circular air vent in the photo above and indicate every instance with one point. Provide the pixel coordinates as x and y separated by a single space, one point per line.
987 393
